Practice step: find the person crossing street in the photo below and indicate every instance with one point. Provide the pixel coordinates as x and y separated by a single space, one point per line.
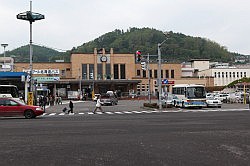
98 105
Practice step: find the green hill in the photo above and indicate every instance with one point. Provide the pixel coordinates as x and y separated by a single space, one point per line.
177 48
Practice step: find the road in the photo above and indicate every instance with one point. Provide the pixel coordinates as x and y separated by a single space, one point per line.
157 138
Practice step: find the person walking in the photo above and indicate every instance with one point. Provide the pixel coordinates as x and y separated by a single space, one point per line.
71 106
98 104
44 102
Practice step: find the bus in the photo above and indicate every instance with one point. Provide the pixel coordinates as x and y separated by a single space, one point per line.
189 95
9 91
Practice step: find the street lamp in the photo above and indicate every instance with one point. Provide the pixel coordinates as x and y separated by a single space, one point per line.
4 45
159 70
31 17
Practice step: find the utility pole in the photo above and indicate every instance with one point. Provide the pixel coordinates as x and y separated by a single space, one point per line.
159 72
4 53
149 88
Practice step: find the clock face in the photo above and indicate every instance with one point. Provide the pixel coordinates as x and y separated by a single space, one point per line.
103 58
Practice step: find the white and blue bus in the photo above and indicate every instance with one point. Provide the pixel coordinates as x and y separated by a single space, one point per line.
189 95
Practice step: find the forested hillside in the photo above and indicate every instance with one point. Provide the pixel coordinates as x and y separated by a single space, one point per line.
177 48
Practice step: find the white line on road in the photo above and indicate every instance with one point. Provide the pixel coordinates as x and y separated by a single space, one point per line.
81 113
127 112
62 114
109 113
118 112
52 114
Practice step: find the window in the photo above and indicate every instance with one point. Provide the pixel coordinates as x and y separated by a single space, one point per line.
172 73
214 74
155 73
234 74
218 74
167 74
230 74
122 71
222 74
245 74
150 73
63 73
91 71
226 75
144 74
161 73
241 74
108 71
116 72
99 72
237 74
138 73
84 71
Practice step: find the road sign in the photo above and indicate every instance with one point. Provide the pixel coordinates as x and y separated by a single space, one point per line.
30 98
165 81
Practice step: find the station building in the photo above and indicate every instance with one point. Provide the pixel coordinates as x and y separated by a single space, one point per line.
105 71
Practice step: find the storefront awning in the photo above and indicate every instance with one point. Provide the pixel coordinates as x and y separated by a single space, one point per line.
12 74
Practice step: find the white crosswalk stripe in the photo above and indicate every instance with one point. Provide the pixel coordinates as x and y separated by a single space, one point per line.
128 112
110 113
142 112
118 112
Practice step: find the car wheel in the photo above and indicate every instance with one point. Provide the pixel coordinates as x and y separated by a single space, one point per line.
219 106
29 114
112 103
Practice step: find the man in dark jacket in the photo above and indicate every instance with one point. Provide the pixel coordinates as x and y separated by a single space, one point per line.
71 106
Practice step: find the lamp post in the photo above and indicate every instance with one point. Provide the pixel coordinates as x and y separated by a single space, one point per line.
4 45
159 71
31 17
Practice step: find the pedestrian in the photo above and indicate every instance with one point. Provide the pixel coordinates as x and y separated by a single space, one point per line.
71 106
98 104
44 102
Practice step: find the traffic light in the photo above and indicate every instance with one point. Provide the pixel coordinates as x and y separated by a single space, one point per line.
138 56
91 75
143 65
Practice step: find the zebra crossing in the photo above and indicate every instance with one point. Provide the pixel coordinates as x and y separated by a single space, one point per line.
140 112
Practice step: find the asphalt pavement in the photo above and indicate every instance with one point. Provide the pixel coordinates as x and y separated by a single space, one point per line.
186 138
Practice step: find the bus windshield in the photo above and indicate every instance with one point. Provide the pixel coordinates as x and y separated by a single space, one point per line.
196 92
9 90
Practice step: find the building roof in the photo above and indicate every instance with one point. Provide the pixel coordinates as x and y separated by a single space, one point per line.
12 74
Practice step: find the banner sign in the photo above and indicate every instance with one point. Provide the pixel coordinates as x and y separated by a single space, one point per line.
46 79
43 71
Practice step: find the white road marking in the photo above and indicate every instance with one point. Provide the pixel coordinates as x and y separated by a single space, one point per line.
81 113
72 113
90 113
118 112
99 113
127 112
109 113
137 112
62 114
52 114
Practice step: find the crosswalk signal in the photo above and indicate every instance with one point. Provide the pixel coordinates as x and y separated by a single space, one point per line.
143 65
138 56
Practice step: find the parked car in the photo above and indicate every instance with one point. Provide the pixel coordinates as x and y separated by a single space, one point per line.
109 99
12 107
168 101
213 102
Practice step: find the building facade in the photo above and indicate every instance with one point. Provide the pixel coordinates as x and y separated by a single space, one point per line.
103 71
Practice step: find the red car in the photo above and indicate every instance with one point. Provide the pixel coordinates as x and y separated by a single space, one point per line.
12 107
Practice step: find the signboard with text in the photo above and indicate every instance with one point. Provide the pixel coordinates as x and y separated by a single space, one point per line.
43 71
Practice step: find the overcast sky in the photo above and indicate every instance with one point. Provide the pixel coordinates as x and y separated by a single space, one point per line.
68 24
